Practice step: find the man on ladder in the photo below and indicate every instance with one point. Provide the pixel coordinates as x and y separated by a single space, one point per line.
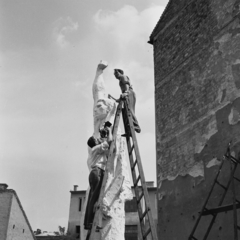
127 91
97 163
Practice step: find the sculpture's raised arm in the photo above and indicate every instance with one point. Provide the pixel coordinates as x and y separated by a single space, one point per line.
104 109
98 87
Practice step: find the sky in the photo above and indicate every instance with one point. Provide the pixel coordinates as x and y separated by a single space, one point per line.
49 51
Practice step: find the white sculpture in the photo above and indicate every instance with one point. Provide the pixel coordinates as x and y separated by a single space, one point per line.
104 109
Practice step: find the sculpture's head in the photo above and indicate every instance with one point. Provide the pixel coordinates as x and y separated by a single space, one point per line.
102 108
118 73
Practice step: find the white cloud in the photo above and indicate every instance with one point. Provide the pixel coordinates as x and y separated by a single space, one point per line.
62 28
124 34
127 25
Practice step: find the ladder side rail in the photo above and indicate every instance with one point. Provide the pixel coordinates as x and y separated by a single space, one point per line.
220 202
137 194
206 201
228 184
131 159
233 158
140 168
111 149
234 205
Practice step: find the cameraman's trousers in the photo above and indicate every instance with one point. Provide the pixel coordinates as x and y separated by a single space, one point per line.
95 182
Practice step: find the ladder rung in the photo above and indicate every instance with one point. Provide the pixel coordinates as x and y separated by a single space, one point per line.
134 164
136 183
192 237
237 179
144 214
235 159
221 185
130 152
220 209
147 232
206 212
138 200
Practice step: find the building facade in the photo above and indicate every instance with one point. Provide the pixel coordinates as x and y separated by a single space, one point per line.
14 224
75 212
197 97
132 224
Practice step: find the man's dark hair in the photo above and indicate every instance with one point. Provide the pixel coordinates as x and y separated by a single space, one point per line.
91 142
119 70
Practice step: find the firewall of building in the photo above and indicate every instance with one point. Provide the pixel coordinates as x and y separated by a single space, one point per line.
197 81
14 223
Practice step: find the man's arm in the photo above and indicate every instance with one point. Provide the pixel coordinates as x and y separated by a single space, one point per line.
117 100
125 80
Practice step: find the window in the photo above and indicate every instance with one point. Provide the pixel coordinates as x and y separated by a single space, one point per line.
131 232
80 205
131 206
78 231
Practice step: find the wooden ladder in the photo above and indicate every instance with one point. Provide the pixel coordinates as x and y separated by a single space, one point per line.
220 207
142 198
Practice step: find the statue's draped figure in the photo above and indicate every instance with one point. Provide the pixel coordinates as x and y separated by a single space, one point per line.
104 109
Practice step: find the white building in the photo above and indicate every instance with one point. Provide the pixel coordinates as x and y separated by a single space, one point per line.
75 211
14 224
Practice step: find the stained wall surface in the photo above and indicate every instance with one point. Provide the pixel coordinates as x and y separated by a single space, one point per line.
197 95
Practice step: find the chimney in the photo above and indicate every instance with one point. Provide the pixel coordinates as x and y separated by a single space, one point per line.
150 184
75 187
3 186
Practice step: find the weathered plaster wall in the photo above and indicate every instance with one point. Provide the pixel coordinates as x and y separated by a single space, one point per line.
18 226
197 82
5 206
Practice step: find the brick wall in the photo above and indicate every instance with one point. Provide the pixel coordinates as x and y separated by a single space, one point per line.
197 81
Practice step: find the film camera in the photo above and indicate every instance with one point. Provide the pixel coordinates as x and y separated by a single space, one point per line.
104 130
